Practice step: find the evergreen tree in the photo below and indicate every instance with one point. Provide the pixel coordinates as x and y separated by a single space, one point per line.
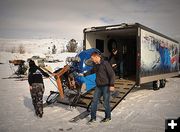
72 45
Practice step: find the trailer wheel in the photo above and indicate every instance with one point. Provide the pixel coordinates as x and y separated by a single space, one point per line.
156 85
162 83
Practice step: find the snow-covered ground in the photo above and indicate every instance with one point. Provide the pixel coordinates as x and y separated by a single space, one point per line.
143 110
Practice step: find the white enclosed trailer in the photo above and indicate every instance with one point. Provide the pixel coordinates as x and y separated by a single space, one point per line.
148 56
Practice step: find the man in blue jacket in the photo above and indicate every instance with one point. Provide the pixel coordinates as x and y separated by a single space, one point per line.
105 78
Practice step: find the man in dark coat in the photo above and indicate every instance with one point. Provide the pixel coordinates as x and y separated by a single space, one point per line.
105 78
117 65
36 87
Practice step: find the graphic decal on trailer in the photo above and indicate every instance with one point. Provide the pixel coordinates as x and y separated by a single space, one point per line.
158 54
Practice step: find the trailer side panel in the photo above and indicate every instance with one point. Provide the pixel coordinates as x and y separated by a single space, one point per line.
159 57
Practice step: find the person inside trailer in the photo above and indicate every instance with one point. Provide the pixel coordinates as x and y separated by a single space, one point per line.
116 58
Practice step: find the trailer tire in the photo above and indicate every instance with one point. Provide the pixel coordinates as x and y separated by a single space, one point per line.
156 85
162 83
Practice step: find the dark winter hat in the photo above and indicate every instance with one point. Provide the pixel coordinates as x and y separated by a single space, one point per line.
31 63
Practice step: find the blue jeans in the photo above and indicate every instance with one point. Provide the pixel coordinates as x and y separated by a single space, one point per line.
101 91
121 69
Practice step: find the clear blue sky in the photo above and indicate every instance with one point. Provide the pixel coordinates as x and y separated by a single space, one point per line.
67 18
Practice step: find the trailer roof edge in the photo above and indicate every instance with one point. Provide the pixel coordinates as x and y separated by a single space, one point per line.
91 29
156 32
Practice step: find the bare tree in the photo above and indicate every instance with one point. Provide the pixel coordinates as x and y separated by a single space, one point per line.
21 49
54 49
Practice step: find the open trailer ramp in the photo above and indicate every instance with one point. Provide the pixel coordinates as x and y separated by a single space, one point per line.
122 86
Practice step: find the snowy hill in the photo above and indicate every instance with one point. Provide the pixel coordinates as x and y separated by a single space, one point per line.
9 49
33 45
